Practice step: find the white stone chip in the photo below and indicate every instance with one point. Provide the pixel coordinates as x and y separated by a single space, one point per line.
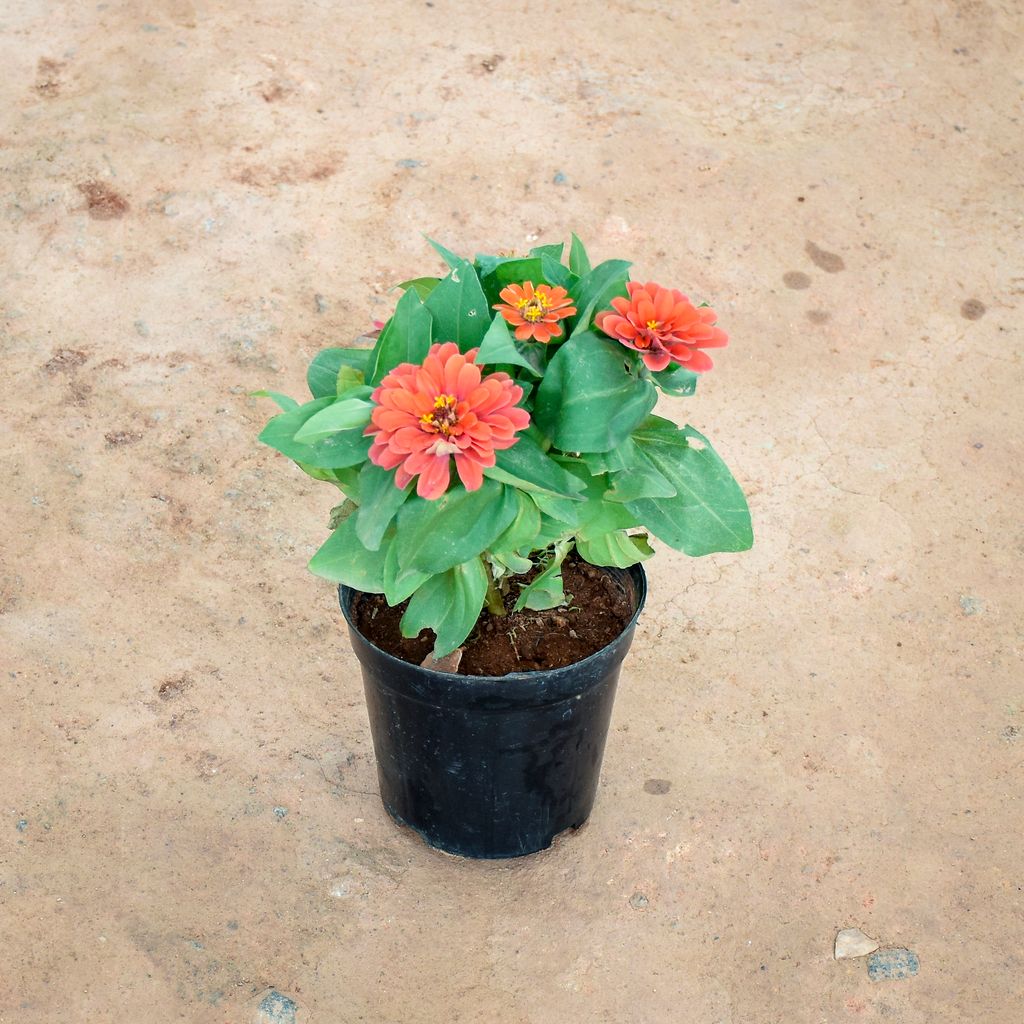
852 942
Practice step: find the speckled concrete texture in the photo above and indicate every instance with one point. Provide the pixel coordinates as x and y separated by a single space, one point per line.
826 732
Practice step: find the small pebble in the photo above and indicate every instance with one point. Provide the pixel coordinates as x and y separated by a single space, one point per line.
280 811
638 901
22 825
277 1008
852 942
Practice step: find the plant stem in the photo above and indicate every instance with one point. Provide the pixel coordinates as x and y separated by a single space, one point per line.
494 602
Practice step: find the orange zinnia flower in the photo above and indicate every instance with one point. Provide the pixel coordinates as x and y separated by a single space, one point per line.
426 414
535 312
663 325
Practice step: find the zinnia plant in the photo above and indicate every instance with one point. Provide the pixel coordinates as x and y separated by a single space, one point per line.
503 417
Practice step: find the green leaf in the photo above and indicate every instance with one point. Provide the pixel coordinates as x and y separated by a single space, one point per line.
588 401
708 512
554 250
380 500
459 308
344 559
322 375
676 380
423 286
599 516
526 466
555 273
558 510
579 262
515 564
522 532
595 291
449 604
435 535
547 589
499 346
446 254
617 548
399 583
339 450
406 338
347 480
342 414
639 481
283 401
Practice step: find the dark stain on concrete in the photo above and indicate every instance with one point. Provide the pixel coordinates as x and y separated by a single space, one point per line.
175 686
972 309
830 262
121 438
657 787
65 360
796 279
819 316
102 201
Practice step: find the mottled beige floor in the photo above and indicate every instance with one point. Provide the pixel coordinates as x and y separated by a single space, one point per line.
196 197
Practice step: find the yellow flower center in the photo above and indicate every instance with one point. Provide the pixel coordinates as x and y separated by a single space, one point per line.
443 418
652 325
536 308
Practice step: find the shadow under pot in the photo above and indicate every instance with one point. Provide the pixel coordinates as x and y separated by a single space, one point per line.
492 766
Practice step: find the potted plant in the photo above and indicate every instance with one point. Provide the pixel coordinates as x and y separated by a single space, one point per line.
503 471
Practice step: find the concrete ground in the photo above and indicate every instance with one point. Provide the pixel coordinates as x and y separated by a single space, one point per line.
825 732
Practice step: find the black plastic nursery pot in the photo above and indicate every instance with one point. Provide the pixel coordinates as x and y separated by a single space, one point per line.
491 766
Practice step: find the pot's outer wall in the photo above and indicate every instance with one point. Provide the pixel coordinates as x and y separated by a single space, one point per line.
491 766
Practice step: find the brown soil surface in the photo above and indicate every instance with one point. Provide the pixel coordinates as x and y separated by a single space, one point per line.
524 641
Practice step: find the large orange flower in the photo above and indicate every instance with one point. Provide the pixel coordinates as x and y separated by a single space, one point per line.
427 414
663 325
535 312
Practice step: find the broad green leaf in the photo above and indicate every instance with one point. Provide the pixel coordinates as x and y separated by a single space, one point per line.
617 548
446 254
380 501
554 250
676 380
562 510
641 480
598 515
622 456
588 401
521 534
547 589
516 271
555 273
283 401
322 375
344 559
579 262
595 291
345 448
500 347
399 583
527 467
406 338
345 479
449 604
423 286
708 512
459 308
435 535
514 564
343 414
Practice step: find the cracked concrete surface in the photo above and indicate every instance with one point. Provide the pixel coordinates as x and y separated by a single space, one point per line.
826 732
